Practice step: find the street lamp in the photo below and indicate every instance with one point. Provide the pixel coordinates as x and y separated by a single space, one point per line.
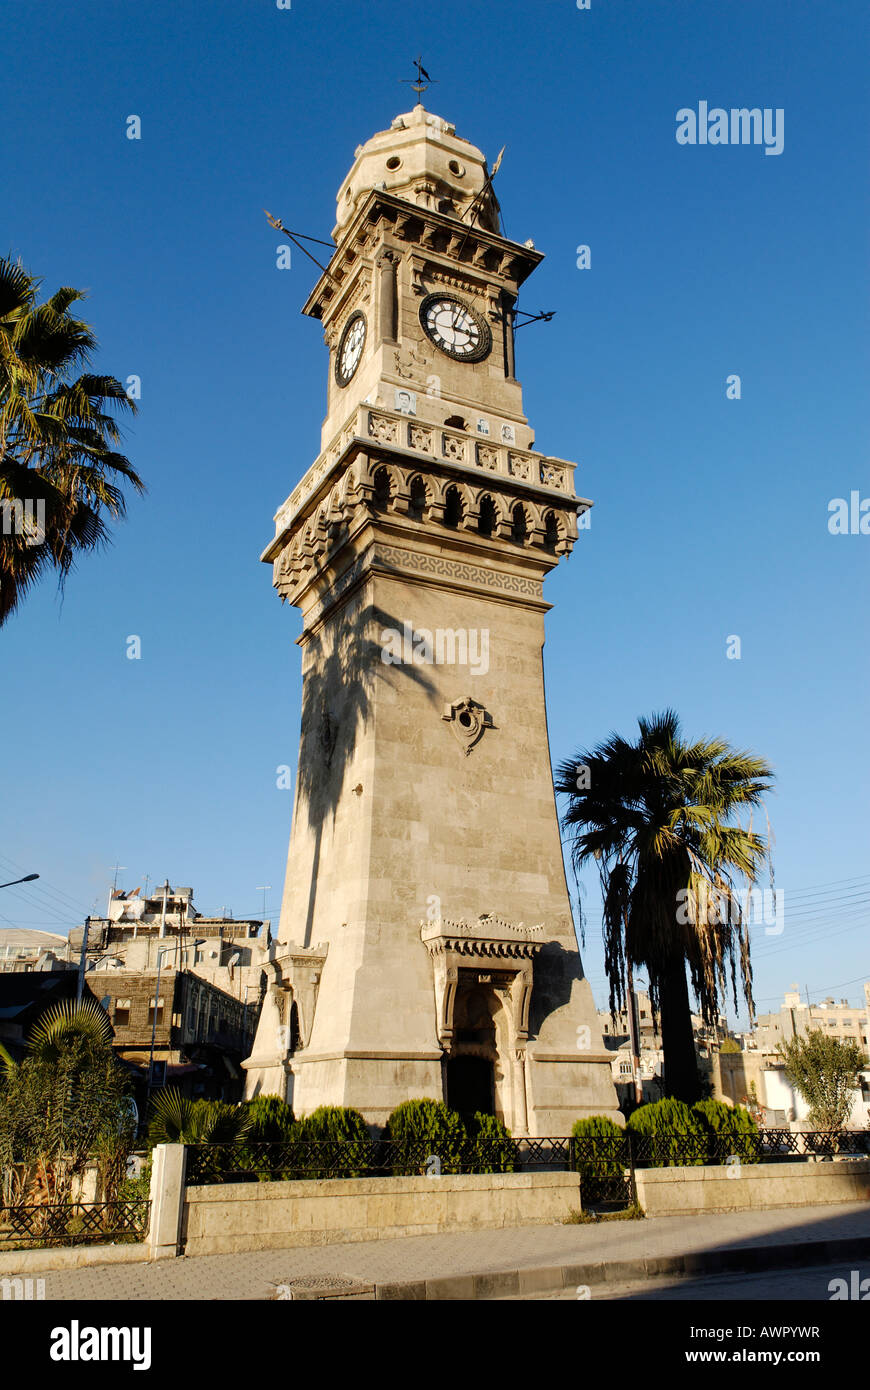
28 878
163 951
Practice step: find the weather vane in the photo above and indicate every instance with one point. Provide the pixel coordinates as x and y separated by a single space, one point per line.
422 80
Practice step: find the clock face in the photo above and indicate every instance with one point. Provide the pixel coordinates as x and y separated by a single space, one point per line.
455 328
350 348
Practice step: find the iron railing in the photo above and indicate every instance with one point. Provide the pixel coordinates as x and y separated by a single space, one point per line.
73 1223
355 1158
606 1163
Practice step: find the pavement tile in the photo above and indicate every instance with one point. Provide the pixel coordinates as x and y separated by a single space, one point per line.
652 1243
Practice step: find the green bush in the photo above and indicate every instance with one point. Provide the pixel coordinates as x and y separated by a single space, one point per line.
733 1126
416 1125
271 1120
490 1145
334 1124
679 1137
338 1123
604 1158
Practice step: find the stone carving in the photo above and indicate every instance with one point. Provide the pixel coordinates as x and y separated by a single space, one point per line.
487 456
468 721
443 568
420 438
551 476
453 447
519 467
382 428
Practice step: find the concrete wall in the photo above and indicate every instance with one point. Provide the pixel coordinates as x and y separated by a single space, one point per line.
691 1191
277 1215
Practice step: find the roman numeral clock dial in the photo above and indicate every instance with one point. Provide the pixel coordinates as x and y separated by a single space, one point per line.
455 328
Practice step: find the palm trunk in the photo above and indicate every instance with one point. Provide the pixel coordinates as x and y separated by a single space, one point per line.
678 1043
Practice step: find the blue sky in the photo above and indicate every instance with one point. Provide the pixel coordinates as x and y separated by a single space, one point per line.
710 516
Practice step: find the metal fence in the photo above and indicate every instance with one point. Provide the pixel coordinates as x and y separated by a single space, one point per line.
606 1163
357 1158
73 1223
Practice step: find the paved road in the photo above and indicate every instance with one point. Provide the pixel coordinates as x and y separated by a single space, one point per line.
773 1286
255 1275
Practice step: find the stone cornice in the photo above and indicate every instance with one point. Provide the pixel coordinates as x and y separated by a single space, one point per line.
442 239
432 449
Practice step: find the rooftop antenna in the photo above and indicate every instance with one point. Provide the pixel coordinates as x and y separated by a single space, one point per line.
118 869
422 82
264 888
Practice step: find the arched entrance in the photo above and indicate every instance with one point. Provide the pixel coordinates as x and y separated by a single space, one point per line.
483 975
470 1079
470 1085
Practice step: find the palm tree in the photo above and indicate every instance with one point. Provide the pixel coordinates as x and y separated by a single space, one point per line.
59 466
661 819
177 1119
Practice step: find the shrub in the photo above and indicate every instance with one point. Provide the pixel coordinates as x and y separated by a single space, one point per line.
271 1120
490 1143
419 1128
334 1124
732 1129
600 1155
677 1137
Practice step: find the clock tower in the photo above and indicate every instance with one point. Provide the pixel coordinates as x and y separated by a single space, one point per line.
426 945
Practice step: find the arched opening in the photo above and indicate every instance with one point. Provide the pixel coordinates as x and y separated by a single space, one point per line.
453 509
487 517
470 1085
551 532
382 489
520 526
295 1031
417 507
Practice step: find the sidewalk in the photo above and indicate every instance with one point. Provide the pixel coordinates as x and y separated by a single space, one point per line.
480 1264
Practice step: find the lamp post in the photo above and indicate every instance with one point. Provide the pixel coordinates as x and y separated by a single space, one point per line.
163 951
28 878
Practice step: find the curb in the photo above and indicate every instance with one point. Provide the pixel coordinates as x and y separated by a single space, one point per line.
516 1282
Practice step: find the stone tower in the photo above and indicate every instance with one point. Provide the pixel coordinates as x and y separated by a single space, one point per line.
426 944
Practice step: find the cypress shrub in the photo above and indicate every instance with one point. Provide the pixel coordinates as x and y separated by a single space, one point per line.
419 1128
732 1127
604 1156
335 1124
678 1136
271 1120
491 1147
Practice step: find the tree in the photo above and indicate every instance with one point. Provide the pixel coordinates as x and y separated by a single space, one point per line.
177 1119
825 1072
59 466
65 1100
660 819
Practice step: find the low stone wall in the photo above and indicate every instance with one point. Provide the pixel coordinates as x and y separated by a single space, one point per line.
275 1215
691 1191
